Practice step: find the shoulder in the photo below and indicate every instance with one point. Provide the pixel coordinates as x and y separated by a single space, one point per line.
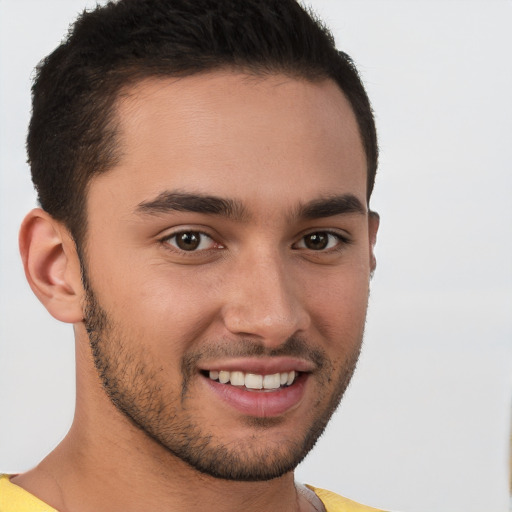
336 503
15 499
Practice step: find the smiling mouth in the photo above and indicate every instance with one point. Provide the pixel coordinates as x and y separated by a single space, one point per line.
253 381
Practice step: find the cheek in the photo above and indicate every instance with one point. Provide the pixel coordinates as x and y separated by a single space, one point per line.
338 304
170 304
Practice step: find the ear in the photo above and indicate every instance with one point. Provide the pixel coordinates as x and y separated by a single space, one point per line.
373 227
52 266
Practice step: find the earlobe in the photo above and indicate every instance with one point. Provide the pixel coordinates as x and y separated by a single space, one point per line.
51 265
373 227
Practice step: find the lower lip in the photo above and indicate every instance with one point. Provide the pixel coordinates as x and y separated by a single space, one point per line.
260 403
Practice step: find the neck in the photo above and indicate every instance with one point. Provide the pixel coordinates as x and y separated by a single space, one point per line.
105 463
91 478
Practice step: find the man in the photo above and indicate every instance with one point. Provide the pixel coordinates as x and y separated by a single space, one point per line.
204 171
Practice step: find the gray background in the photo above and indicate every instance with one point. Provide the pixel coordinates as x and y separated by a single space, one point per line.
425 423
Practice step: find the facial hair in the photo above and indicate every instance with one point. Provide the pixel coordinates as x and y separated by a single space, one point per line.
135 384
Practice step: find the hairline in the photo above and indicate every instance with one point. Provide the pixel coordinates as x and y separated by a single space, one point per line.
135 78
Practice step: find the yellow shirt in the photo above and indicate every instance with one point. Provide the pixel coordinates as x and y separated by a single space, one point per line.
334 502
15 499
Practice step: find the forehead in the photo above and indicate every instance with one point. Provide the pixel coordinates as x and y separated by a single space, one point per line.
237 135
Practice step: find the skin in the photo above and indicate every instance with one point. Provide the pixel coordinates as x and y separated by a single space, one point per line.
271 146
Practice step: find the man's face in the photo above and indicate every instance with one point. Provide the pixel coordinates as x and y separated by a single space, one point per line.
228 262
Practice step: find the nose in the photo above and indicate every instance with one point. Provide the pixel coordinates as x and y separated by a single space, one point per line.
265 301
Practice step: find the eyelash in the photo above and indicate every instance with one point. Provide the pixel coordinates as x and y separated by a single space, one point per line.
341 241
198 234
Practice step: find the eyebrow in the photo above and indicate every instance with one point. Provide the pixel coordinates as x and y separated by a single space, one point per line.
189 202
331 206
233 209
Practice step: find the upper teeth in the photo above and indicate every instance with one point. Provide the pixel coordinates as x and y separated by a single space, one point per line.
252 380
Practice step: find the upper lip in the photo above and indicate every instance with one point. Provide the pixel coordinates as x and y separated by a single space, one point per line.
260 365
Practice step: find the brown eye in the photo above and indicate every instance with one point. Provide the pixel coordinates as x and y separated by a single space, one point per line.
188 241
321 241
316 241
191 241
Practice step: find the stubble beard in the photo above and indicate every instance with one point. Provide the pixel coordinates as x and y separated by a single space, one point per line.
132 382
